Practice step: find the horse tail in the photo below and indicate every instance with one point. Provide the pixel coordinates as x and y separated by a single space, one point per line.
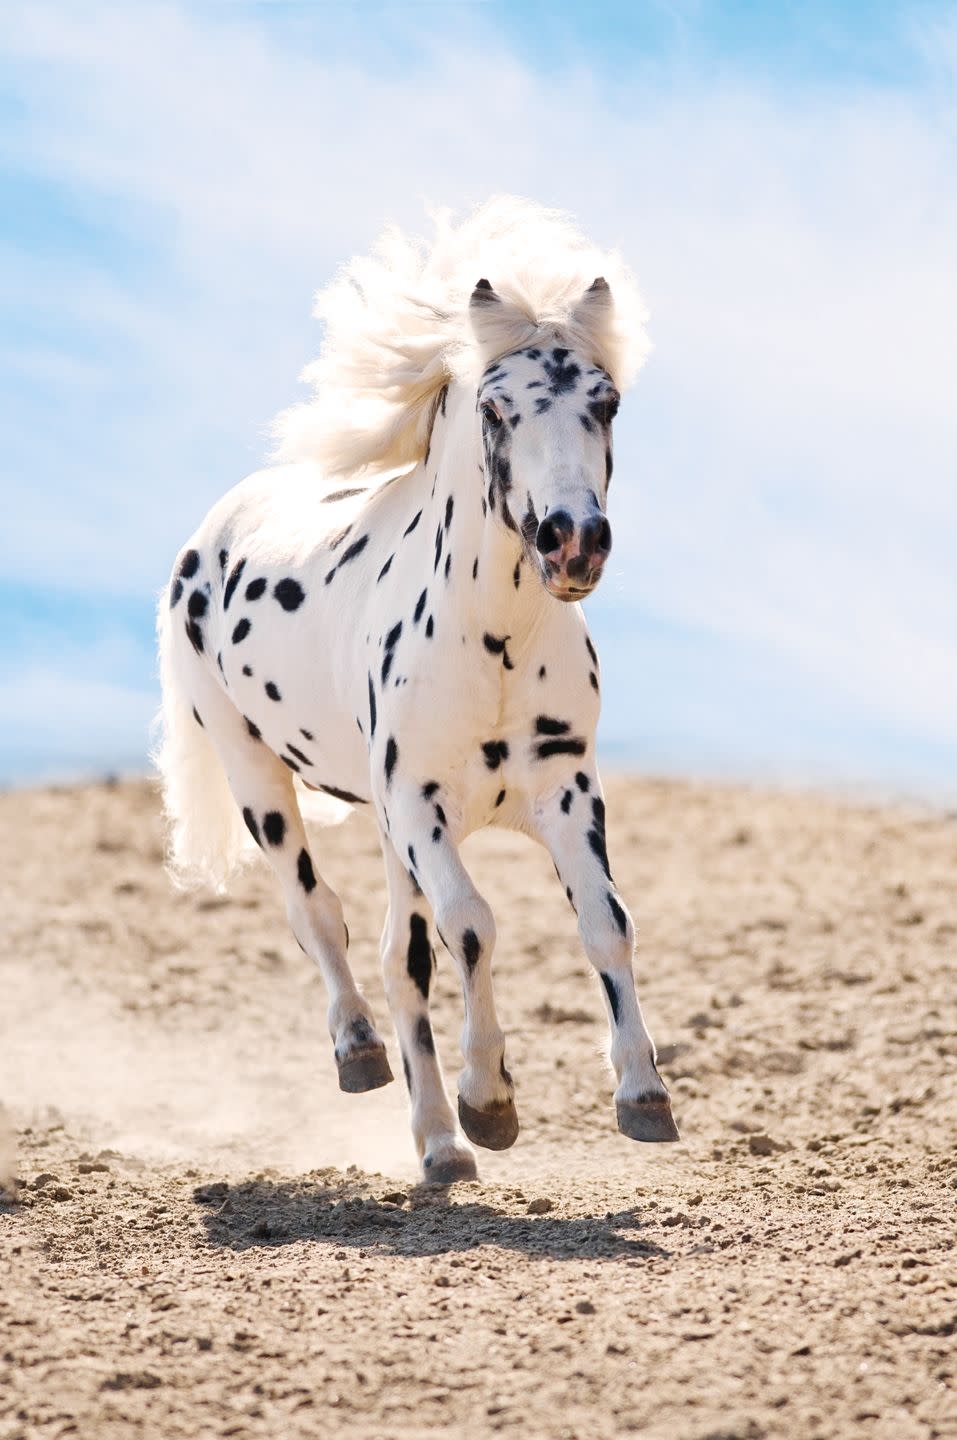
205 833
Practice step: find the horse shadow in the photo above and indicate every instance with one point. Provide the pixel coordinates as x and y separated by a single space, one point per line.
346 1213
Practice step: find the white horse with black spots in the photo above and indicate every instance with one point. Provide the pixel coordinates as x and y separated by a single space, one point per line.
391 616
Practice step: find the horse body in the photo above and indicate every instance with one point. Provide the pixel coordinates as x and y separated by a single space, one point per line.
402 644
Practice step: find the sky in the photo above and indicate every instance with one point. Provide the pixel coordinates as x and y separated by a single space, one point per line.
177 179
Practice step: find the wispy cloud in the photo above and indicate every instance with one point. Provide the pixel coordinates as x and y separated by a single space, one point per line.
785 470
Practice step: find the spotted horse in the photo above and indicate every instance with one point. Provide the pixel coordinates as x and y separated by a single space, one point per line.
390 614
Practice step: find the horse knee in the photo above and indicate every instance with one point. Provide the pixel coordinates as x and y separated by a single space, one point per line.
606 928
467 928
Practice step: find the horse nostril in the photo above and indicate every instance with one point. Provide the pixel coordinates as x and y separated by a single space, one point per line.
596 537
553 532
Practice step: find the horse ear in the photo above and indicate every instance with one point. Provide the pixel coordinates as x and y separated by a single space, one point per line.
595 304
496 322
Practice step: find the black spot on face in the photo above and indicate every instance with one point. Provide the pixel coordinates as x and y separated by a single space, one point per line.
272 690
611 990
251 825
307 876
256 589
235 575
471 948
289 593
241 630
545 725
274 827
391 756
419 958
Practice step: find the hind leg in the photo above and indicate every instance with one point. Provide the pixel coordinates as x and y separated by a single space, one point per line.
263 789
408 963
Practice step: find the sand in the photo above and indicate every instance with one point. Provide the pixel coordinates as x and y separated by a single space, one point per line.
203 1237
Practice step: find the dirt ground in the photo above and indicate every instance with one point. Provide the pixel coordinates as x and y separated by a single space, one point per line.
203 1237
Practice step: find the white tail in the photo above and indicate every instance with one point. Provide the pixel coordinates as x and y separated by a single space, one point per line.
206 836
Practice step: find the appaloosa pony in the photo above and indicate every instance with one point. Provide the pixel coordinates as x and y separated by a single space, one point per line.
390 615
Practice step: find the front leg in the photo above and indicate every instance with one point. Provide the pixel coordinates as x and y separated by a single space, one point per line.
571 825
420 819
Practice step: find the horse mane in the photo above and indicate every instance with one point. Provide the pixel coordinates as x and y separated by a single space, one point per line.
397 329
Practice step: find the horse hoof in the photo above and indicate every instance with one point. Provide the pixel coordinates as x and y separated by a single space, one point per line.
366 1069
448 1169
649 1120
493 1129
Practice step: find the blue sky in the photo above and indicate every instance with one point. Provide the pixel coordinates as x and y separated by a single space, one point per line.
177 179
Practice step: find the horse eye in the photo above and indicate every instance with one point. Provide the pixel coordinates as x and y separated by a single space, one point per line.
490 415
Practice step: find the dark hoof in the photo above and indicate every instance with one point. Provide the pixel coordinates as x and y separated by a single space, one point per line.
366 1069
447 1169
493 1129
649 1120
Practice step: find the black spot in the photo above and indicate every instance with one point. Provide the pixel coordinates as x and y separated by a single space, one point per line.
499 798
593 680
356 548
449 506
586 424
391 756
235 575
567 799
371 708
429 789
343 795
514 421
438 548
436 834
471 948
582 781
256 589
408 1081
241 630
175 594
547 748
443 396
611 990
307 876
440 815
517 573
621 919
386 568
412 861
609 467
593 653
197 719
219 664
562 373
412 524
596 835
195 633
475 568
341 495
223 557
272 690
495 751
541 672
274 827
542 404
419 607
545 725
198 604
423 1036
291 763
251 825
247 670
189 564
306 734
253 728
298 753
419 959
391 640
289 593
429 628
493 644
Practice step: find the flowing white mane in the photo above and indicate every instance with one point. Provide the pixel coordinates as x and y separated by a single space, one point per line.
397 328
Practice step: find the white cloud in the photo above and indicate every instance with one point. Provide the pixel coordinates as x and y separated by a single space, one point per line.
785 471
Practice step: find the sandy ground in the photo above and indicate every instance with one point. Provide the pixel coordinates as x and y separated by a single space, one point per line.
208 1239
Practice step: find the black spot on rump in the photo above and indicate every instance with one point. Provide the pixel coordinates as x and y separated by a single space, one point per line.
289 593
471 948
611 990
251 825
274 827
235 575
391 756
307 876
419 957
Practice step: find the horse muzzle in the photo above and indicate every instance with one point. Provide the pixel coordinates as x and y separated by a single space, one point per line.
572 553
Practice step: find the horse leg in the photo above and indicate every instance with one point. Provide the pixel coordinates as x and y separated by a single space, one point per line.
574 833
408 963
467 930
263 789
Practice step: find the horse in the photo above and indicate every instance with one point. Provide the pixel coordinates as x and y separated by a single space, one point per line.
390 614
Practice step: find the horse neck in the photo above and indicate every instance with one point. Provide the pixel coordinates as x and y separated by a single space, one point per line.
477 532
